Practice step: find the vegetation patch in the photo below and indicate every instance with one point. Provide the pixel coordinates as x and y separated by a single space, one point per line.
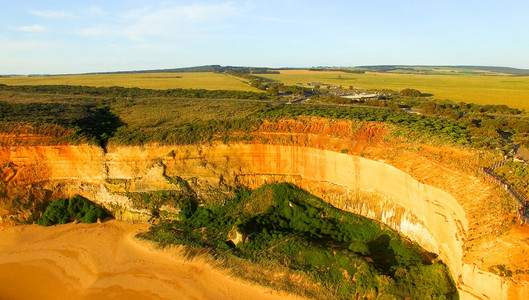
130 92
77 208
343 255
517 174
501 270
133 116
82 122
410 93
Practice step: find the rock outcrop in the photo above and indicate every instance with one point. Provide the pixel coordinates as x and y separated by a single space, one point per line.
437 218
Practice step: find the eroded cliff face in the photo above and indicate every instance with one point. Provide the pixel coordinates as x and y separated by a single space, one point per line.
423 198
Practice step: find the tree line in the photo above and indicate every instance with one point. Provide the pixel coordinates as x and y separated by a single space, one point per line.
122 92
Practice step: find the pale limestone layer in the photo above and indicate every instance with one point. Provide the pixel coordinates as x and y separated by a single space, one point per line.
425 214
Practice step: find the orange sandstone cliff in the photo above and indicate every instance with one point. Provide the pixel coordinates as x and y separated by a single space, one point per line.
433 195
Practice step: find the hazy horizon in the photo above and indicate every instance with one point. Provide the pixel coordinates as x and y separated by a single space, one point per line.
69 37
257 67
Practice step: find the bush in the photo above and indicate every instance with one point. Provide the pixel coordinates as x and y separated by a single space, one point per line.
55 213
410 93
187 208
359 247
62 211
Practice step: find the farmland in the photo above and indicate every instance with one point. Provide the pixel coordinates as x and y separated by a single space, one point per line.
186 80
500 89
512 91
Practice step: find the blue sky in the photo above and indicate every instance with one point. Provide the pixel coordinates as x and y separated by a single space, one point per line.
109 35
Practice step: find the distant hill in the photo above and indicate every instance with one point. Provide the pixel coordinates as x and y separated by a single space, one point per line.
464 70
208 68
399 69
403 69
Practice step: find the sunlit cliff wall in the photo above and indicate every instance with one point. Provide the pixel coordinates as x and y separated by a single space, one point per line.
425 214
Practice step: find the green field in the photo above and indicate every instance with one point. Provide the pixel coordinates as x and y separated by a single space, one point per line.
512 91
185 80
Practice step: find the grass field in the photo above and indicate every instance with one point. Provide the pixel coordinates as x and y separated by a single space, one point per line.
512 91
188 80
446 71
167 113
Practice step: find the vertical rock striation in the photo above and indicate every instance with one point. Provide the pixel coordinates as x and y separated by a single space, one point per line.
426 214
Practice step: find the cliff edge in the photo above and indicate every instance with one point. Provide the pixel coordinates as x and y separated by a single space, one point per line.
434 195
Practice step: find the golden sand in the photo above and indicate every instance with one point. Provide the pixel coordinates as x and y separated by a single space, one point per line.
104 261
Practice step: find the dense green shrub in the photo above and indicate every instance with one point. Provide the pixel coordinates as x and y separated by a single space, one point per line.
55 213
306 234
62 211
410 93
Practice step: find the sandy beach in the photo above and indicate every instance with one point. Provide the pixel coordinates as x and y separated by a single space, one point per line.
104 261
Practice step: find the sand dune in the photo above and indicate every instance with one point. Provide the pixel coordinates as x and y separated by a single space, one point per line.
103 261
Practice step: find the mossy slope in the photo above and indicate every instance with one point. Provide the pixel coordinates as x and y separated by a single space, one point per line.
347 256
